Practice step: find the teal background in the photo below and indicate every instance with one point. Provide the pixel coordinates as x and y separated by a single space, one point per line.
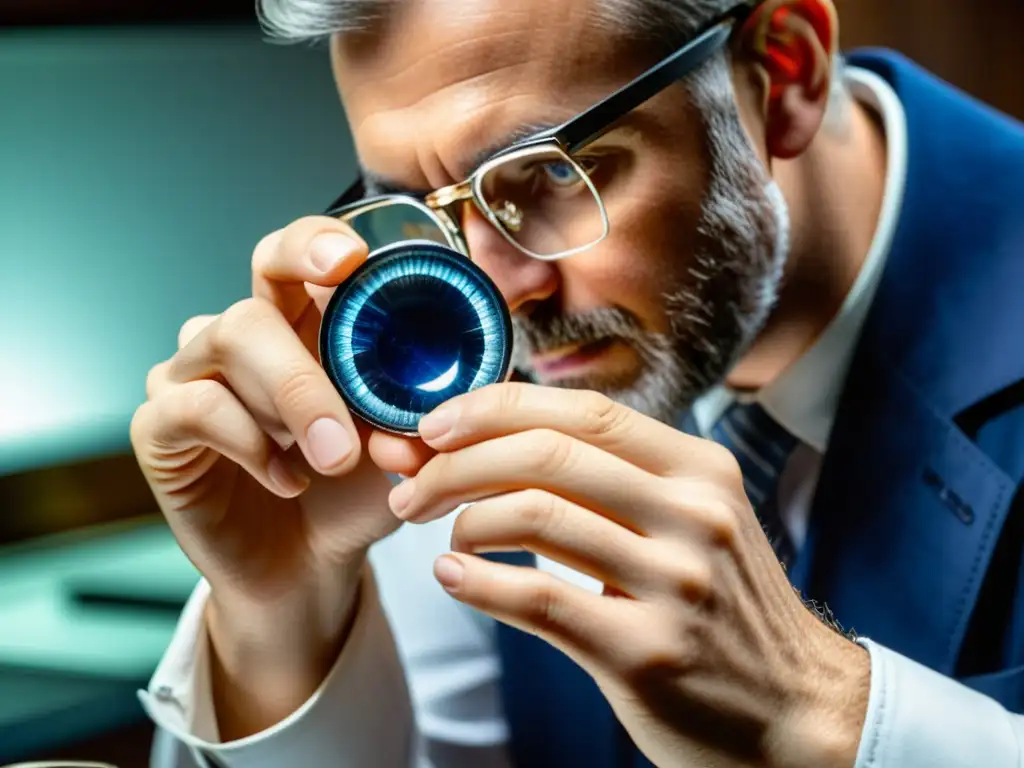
138 169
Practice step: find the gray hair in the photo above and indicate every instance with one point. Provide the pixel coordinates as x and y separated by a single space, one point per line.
308 20
665 23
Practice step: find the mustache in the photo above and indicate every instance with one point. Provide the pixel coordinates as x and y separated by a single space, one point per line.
546 328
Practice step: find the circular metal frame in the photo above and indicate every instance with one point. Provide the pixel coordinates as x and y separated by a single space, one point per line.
376 261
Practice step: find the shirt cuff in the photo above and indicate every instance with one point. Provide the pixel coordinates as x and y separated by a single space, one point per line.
360 716
918 718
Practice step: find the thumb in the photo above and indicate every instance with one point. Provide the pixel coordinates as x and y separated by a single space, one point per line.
398 455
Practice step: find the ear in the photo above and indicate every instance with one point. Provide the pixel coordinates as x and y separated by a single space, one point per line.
791 45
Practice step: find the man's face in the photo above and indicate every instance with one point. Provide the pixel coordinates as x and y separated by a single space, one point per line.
662 308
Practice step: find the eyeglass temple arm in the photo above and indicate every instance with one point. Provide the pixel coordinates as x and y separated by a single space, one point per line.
600 118
355 193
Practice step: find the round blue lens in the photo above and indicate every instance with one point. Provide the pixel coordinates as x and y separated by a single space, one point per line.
416 325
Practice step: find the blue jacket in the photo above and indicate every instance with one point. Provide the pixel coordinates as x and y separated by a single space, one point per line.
917 530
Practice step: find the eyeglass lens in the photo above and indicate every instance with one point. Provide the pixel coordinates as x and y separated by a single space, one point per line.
391 223
543 202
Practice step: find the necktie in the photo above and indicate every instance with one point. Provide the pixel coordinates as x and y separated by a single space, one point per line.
762 447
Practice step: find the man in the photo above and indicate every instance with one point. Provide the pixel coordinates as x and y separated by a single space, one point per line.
822 259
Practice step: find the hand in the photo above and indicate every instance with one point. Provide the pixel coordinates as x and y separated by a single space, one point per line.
261 473
702 647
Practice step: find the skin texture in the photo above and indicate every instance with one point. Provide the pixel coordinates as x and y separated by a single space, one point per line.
232 436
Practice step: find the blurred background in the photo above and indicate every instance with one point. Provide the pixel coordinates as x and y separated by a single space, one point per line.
144 150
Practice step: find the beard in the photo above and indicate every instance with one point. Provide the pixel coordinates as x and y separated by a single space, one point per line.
720 305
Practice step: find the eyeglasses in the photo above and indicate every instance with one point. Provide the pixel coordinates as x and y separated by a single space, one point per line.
539 193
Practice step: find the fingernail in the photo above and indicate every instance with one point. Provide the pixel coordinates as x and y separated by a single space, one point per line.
329 443
400 496
330 249
439 422
288 477
449 571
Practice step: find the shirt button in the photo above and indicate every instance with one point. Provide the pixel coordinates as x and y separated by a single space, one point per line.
164 693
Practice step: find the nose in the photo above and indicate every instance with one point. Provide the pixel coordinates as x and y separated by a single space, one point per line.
521 279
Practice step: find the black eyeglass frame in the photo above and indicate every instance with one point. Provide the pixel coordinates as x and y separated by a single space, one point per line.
572 136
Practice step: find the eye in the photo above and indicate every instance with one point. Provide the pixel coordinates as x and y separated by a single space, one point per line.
561 174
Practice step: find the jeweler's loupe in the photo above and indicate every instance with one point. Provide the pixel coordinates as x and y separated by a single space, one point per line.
415 325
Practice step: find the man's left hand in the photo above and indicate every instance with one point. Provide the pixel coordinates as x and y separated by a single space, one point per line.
704 650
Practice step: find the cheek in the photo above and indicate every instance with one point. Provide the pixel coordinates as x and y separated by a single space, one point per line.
649 251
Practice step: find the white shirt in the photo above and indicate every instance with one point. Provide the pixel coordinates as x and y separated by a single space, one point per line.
804 397
417 683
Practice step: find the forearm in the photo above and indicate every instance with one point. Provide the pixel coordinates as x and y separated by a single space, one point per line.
267 660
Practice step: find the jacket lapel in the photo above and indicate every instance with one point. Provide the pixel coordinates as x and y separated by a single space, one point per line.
909 509
906 518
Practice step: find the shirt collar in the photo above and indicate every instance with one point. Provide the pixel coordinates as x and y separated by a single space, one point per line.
804 398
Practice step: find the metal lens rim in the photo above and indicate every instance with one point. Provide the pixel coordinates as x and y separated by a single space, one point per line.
545 147
375 261
450 230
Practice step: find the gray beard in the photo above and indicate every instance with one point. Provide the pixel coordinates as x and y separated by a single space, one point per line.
715 312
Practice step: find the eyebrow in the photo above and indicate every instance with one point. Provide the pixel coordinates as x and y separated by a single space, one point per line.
376 184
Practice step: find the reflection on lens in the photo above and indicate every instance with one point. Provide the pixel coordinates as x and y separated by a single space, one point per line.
392 222
542 200
416 325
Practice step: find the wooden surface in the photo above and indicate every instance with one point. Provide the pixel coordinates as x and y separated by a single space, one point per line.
975 44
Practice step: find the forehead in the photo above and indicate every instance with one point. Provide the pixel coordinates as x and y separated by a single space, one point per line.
442 80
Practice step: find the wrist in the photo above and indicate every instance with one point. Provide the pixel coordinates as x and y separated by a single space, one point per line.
268 659
825 719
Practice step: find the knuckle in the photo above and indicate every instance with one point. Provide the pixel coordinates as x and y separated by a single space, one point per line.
550 451
509 398
156 378
189 406
191 328
658 653
600 414
723 464
542 514
140 427
691 580
264 249
495 398
297 389
721 522
546 606
240 316
235 325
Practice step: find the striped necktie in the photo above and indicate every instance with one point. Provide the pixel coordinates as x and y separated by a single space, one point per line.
762 447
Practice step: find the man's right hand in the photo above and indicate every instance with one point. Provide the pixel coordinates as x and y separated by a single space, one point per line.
272 490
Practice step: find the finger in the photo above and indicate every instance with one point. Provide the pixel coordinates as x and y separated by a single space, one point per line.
204 413
591 629
317 250
548 525
508 408
398 455
192 328
321 296
543 459
158 379
267 367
